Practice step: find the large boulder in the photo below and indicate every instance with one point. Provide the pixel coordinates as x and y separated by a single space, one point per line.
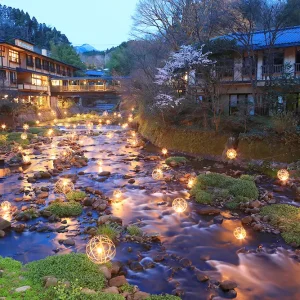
4 224
118 281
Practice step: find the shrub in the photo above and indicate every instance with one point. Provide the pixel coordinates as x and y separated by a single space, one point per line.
134 230
200 195
111 230
65 209
287 217
75 196
284 122
74 267
178 160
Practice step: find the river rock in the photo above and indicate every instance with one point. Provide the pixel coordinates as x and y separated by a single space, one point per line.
115 268
109 218
19 228
202 277
111 290
118 281
50 281
69 242
106 272
104 173
228 285
208 211
22 289
136 266
247 220
141 296
4 224
2 234
255 204
258 227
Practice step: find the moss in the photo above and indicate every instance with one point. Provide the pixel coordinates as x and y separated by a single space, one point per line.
65 209
74 267
178 160
200 195
127 288
247 177
75 196
244 188
287 218
134 230
111 230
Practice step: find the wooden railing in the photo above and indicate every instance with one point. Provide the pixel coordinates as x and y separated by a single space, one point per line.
79 88
272 69
32 87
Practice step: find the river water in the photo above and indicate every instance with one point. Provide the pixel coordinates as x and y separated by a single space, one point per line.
265 269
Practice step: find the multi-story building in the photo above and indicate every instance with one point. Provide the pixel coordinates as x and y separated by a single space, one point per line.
25 72
242 77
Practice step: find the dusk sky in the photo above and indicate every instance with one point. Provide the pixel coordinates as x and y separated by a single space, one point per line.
100 23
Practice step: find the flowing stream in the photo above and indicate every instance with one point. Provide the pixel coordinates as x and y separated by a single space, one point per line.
262 265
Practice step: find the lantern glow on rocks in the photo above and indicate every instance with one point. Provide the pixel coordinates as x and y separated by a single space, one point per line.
231 153
66 154
157 174
5 206
179 205
100 249
240 233
26 160
64 186
283 175
164 151
117 195
110 134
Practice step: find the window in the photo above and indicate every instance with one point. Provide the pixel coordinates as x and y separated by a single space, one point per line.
242 103
13 77
46 65
2 51
58 69
14 56
52 67
29 60
38 63
63 72
38 80
69 72
249 65
2 74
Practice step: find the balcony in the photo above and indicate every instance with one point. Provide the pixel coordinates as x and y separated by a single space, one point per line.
32 87
79 88
268 70
297 68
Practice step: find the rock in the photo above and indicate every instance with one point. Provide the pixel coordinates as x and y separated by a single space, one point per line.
231 294
23 289
69 242
247 220
131 181
87 291
88 201
257 227
255 204
4 224
228 285
2 234
109 218
202 277
111 290
19 228
106 272
115 268
118 281
208 211
104 173
185 262
159 258
141 296
136 266
218 220
50 281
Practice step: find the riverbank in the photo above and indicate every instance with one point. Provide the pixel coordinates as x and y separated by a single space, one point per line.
211 145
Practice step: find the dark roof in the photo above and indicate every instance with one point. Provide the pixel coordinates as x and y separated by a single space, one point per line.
2 41
94 73
286 37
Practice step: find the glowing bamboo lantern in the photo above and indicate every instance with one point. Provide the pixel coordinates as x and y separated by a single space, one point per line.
240 233
89 125
24 136
134 143
99 126
100 121
283 175
78 115
6 206
133 134
50 132
191 182
100 249
26 160
231 153
64 186
164 151
105 113
132 109
37 122
74 126
3 126
125 125
66 154
39 114
119 115
179 205
130 119
157 174
115 113
25 126
108 122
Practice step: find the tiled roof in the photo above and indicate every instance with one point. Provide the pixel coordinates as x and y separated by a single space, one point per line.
286 37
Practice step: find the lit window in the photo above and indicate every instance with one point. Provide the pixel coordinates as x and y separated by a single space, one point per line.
13 56
39 80
2 51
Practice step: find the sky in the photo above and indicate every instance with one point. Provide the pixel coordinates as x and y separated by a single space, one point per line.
100 23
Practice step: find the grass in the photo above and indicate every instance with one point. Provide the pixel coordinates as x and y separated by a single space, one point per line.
134 230
127 288
65 209
111 230
74 267
179 160
209 187
75 196
287 218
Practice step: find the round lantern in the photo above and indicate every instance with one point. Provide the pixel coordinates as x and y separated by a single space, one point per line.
26 160
24 136
105 113
108 122
239 233
283 175
157 174
66 154
25 126
89 125
100 249
231 153
134 143
164 151
3 126
64 186
50 132
37 122
110 134
5 206
179 205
